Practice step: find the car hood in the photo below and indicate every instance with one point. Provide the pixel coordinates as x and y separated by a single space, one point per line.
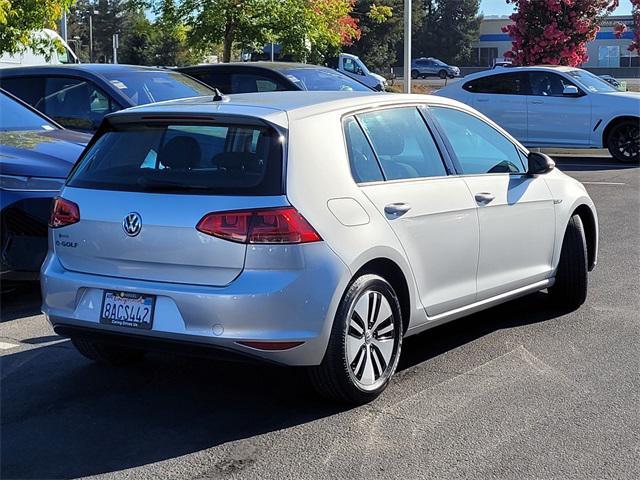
40 153
380 78
623 96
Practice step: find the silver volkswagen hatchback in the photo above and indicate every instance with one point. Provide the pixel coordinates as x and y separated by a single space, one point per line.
310 229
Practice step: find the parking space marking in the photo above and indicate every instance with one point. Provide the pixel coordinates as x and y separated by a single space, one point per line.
7 346
603 183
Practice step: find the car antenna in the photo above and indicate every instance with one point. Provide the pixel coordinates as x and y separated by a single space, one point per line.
218 96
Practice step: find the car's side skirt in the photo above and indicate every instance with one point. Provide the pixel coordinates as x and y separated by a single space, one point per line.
479 306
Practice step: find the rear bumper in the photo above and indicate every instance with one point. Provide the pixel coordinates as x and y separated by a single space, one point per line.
292 304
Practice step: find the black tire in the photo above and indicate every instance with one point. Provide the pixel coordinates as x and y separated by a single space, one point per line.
442 74
107 353
570 287
335 377
623 141
415 74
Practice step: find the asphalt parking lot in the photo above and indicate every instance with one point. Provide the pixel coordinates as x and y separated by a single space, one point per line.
519 391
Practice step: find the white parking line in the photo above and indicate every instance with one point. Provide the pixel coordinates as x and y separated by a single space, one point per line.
7 346
603 183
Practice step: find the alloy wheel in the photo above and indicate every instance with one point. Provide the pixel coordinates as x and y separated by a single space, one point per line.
626 141
371 340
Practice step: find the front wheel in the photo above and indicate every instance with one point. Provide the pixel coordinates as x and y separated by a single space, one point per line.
570 287
623 141
364 345
415 74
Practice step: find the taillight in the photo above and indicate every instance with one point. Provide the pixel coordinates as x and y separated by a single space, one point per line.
63 212
272 225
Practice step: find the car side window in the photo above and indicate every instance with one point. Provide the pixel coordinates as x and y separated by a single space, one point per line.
221 81
548 84
478 146
27 89
250 83
364 165
504 84
75 103
403 143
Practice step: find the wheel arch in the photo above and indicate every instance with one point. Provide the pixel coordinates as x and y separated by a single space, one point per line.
392 273
590 232
612 123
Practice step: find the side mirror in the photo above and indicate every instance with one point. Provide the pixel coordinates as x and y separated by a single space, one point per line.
570 91
379 87
540 163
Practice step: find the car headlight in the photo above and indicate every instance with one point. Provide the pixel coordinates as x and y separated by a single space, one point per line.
30 184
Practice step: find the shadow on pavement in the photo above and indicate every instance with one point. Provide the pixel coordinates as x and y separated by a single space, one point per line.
591 164
20 301
63 416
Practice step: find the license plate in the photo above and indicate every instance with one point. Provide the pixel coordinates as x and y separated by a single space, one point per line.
126 309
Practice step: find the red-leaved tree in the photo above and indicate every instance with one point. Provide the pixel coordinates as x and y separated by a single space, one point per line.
554 32
620 28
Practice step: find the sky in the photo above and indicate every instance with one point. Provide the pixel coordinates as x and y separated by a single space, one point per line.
501 7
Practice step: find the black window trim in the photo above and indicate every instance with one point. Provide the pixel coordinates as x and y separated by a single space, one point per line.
454 157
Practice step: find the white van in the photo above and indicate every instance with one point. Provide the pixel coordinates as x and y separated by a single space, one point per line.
29 57
355 68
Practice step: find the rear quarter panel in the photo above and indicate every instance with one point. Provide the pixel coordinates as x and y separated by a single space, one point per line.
318 172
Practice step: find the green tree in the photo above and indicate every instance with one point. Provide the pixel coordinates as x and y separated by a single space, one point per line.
19 19
380 45
448 30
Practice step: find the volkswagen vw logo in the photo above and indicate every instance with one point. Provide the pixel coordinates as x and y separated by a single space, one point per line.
132 224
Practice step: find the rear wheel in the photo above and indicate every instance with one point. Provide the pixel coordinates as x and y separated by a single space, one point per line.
365 343
107 353
570 287
623 141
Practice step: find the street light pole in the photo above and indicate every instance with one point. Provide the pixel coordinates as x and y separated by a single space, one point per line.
90 38
407 46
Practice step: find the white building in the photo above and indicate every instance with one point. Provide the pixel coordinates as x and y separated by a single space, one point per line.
605 51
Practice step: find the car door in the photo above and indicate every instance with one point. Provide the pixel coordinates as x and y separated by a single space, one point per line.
503 99
516 211
399 167
555 118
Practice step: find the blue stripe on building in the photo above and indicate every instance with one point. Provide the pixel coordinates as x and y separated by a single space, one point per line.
503 37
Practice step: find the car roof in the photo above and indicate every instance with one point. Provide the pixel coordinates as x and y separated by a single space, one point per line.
276 66
294 104
512 69
93 68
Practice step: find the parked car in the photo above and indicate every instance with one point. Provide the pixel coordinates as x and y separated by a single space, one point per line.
306 228
432 67
352 66
36 155
31 57
272 76
613 81
556 107
79 96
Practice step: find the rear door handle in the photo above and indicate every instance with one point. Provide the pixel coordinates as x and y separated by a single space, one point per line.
537 102
397 209
483 198
482 99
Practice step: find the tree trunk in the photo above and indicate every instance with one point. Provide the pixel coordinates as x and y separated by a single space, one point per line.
227 42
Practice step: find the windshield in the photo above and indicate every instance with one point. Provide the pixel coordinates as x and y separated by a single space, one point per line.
210 159
591 82
14 116
149 86
323 79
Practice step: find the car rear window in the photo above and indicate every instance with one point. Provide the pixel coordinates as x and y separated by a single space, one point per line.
144 87
207 159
